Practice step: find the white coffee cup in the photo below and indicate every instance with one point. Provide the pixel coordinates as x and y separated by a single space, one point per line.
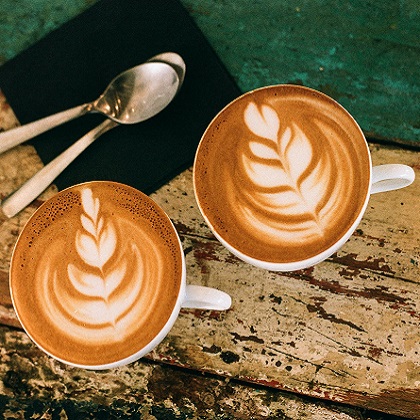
283 176
98 276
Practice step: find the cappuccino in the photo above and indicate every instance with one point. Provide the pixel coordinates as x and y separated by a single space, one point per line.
96 274
282 174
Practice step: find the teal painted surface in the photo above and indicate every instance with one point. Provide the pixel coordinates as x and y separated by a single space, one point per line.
23 22
365 54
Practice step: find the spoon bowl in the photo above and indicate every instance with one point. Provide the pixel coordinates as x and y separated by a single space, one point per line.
138 93
174 60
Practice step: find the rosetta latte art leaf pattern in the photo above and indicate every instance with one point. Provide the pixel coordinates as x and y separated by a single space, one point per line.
292 193
97 295
96 244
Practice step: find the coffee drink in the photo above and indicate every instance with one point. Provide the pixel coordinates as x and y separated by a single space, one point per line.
282 173
96 273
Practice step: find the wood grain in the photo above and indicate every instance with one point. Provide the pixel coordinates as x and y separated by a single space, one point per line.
34 386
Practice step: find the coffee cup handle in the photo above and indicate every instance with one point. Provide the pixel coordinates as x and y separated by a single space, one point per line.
391 177
201 297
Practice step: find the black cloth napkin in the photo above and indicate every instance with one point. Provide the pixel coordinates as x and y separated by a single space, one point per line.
74 64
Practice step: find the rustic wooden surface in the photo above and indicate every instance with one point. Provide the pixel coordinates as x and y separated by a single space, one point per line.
346 330
33 386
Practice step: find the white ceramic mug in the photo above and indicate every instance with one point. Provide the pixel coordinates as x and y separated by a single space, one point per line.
98 276
283 175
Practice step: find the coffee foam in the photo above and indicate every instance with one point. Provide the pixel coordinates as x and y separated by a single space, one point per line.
96 273
269 175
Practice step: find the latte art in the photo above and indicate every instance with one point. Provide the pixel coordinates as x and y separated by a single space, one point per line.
97 295
292 186
96 274
278 174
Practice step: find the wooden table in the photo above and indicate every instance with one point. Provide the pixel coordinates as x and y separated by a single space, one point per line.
340 340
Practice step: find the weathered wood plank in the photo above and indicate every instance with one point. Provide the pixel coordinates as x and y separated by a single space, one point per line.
387 240
313 333
34 386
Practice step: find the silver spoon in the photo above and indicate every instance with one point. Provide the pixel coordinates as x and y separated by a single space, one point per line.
105 104
134 96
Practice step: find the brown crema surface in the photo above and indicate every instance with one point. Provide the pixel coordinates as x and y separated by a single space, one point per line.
96 273
282 173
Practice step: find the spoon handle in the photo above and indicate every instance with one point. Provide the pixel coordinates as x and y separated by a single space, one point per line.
42 179
18 135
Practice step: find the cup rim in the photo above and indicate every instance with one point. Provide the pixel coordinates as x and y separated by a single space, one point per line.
161 333
307 262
